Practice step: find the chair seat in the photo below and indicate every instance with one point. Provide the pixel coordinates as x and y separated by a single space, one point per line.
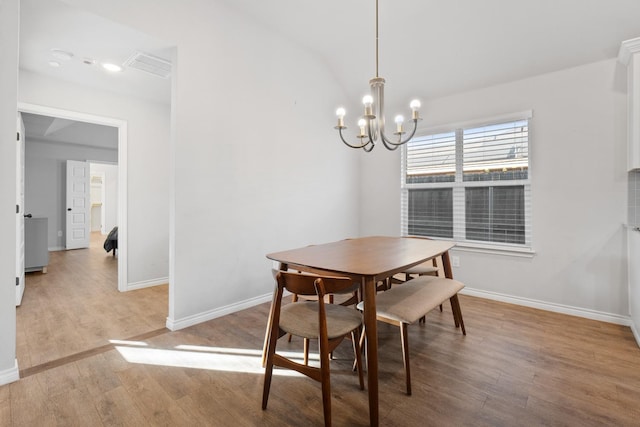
410 301
301 319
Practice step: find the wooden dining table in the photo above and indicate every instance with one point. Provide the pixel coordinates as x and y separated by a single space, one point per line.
366 260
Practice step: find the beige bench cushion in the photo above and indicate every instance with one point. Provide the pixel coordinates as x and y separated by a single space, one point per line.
301 319
411 300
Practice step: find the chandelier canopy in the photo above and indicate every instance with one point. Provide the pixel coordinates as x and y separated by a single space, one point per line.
371 124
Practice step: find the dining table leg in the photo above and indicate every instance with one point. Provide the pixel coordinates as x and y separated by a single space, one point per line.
371 330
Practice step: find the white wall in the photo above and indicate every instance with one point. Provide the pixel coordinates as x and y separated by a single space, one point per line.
45 181
257 166
9 19
147 169
578 158
110 195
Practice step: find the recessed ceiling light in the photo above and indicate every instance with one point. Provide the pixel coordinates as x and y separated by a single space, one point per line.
61 54
54 64
112 67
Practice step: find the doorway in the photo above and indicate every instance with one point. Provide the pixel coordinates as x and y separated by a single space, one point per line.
121 130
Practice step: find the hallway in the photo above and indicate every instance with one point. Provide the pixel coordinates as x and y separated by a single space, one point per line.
76 307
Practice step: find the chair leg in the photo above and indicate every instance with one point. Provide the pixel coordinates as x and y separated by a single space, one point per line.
357 353
271 350
306 351
405 355
363 349
267 333
326 387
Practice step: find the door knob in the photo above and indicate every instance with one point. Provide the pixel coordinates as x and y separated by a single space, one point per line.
68 209
28 216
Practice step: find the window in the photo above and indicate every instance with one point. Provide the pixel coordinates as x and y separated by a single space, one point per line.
470 183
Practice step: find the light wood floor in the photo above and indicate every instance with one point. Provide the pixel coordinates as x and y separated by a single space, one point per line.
76 307
516 367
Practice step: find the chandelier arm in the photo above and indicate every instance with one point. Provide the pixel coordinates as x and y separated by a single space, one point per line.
363 146
387 142
370 147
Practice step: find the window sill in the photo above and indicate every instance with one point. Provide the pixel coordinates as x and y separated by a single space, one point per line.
494 249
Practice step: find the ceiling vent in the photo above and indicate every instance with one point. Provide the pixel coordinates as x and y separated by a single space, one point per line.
149 63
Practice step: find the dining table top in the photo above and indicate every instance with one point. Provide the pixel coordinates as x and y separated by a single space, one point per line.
365 256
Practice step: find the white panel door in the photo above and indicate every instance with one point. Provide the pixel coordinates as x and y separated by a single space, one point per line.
78 204
20 211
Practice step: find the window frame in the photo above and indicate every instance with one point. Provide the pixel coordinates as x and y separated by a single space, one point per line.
458 187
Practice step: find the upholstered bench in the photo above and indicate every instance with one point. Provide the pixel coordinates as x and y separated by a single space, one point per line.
404 304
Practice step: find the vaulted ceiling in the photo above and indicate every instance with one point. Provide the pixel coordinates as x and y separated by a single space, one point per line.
428 48
431 48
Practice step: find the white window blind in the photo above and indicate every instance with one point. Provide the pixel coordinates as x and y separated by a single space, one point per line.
471 183
432 158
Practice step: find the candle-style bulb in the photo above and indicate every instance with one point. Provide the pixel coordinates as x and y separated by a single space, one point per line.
399 120
362 123
415 106
368 109
340 112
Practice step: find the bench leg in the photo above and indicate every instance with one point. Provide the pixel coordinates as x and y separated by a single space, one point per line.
454 310
405 355
457 313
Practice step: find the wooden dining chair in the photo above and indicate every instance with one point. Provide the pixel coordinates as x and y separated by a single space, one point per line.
405 304
328 323
352 298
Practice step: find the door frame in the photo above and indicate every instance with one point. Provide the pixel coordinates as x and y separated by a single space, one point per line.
24 107
20 247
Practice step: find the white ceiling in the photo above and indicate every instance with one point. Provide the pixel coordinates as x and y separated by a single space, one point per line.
51 24
51 129
428 48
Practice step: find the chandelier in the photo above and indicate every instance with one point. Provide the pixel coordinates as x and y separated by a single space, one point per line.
371 124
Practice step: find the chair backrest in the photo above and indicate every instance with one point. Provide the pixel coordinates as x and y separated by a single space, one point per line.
307 284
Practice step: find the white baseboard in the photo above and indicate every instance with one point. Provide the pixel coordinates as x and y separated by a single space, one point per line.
636 333
147 283
57 248
10 375
175 324
548 306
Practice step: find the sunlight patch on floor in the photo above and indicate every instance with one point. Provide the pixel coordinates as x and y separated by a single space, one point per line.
197 357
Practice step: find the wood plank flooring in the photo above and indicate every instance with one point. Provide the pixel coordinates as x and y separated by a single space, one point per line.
517 366
76 307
